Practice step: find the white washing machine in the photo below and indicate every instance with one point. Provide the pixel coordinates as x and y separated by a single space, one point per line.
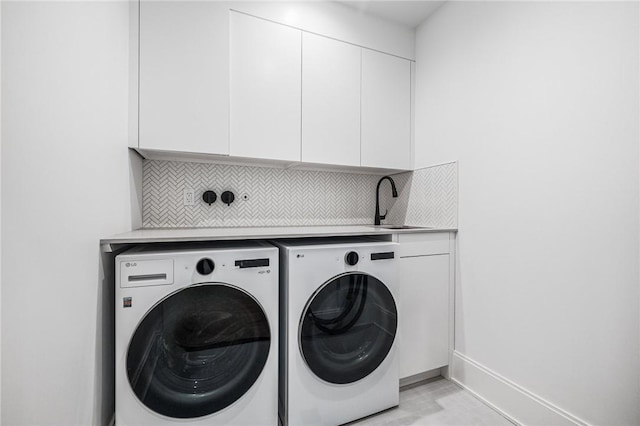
197 335
338 324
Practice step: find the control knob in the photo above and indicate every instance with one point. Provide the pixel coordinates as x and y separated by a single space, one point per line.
351 258
227 197
209 197
205 266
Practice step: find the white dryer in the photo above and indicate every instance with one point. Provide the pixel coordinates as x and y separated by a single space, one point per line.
338 324
197 335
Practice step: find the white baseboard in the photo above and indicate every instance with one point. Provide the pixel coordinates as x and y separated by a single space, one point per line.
511 400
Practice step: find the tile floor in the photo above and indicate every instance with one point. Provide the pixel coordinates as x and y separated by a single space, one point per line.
438 402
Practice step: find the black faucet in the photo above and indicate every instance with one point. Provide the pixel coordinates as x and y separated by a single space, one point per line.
378 217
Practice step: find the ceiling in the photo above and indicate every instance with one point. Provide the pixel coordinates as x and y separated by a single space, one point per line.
407 13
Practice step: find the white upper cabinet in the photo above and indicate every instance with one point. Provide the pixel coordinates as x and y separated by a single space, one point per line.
184 74
216 81
265 84
386 111
330 101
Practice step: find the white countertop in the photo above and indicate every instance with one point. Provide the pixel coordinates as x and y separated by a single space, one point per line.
160 235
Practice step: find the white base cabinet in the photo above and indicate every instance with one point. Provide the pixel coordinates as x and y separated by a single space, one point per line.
424 308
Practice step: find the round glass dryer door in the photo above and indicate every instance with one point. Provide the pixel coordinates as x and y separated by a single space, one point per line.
348 328
198 350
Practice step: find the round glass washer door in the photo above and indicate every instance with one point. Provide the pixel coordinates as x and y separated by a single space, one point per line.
348 327
198 350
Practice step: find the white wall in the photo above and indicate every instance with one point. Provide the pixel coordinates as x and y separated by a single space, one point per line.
65 184
539 103
0 211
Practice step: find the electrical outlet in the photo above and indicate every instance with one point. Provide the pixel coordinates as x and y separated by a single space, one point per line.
188 197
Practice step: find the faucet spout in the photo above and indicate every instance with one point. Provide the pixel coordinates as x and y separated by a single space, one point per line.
378 217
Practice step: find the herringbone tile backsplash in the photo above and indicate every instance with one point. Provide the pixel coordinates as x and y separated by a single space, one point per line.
427 197
276 197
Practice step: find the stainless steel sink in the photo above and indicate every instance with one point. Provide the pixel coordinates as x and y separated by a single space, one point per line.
401 227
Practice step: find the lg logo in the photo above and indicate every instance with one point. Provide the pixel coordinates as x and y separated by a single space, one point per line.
129 264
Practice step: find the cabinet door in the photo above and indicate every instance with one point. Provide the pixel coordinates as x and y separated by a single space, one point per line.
386 111
265 89
330 101
184 74
423 314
